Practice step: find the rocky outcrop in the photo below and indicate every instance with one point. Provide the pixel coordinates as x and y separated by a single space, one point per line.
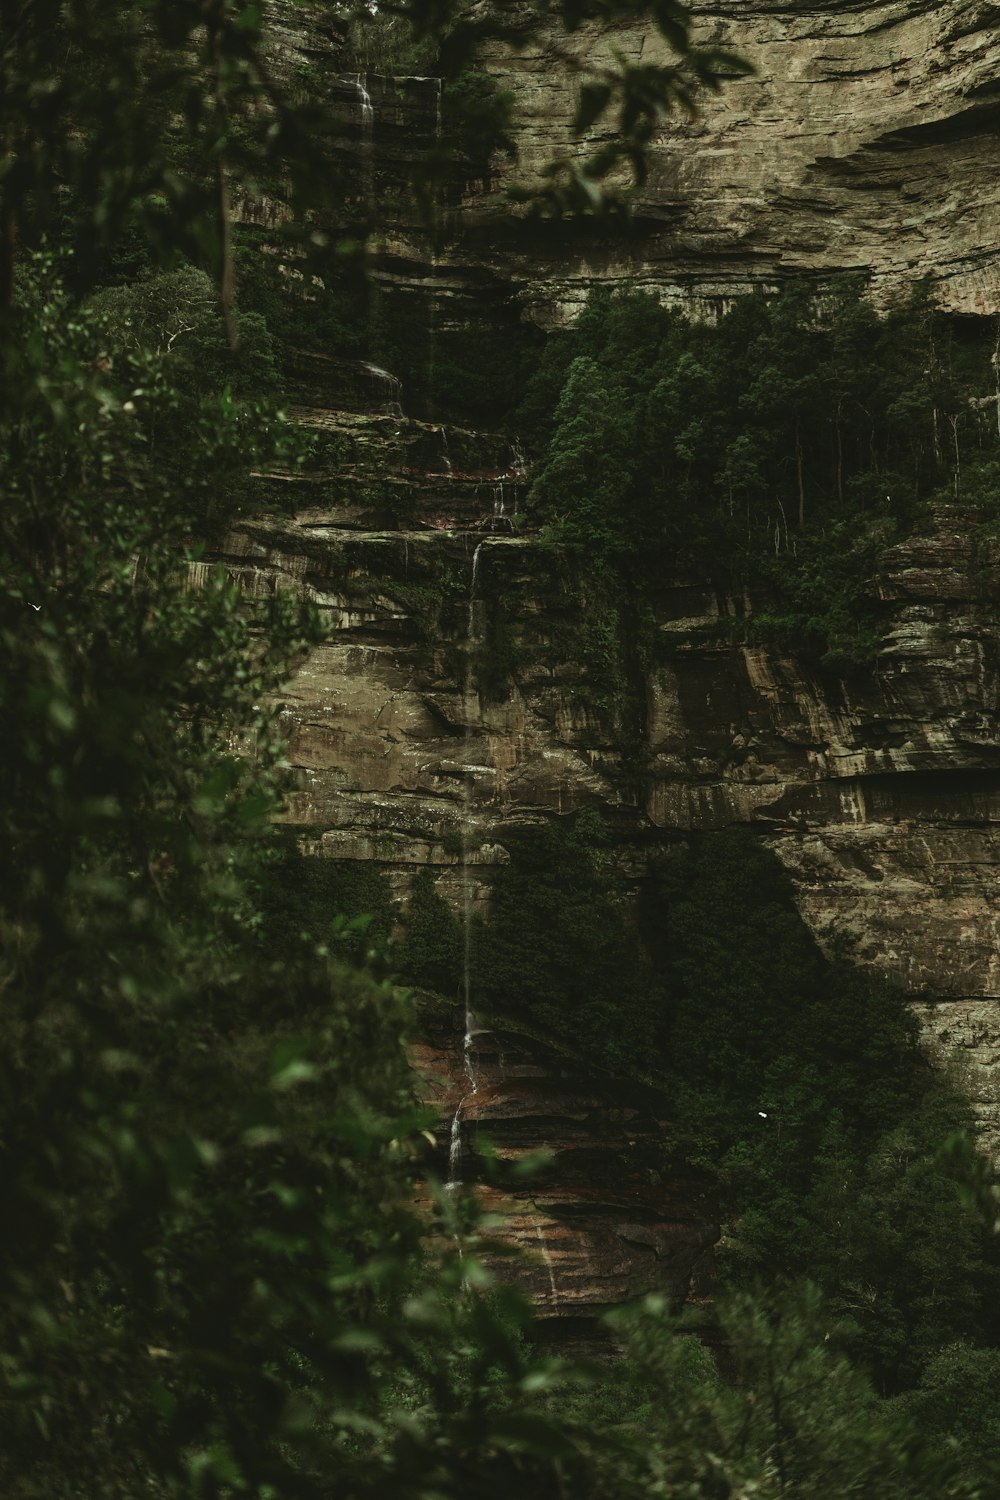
881 795
449 707
866 140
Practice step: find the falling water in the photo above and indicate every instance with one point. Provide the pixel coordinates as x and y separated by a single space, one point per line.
364 99
360 81
386 389
519 470
547 1258
499 507
468 1064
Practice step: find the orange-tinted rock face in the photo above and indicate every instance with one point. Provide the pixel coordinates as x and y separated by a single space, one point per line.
610 1216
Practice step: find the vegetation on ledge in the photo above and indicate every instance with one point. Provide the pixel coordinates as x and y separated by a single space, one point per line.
778 450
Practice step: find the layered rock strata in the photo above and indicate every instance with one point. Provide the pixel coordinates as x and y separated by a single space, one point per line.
608 1216
866 140
880 795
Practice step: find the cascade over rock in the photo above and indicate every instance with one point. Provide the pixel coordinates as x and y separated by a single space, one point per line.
881 795
866 140
598 1224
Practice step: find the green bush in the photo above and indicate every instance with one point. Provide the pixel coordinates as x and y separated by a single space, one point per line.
431 956
561 950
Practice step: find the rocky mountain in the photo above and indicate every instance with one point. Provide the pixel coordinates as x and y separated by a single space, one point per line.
866 139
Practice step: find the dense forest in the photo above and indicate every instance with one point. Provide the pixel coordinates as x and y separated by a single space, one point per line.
228 1266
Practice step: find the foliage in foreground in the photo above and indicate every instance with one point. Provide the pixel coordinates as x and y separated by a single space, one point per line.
215 1281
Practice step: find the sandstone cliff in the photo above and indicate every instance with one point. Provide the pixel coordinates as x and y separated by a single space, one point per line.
865 140
881 796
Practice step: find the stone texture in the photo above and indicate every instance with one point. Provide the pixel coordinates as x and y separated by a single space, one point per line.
880 795
866 140
610 1215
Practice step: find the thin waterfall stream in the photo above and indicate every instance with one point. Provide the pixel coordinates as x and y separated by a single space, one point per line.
547 1259
360 81
471 1030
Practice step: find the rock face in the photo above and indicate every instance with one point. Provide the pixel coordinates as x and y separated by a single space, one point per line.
598 1224
448 707
881 795
866 140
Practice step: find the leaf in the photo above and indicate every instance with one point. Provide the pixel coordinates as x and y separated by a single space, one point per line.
594 99
525 1432
62 714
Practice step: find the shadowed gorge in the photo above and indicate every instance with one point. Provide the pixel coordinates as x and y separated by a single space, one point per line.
500 787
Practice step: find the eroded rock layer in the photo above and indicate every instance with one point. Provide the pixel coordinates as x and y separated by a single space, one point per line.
599 1224
880 795
865 140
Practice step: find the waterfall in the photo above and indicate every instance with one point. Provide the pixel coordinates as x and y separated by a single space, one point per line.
360 81
499 508
547 1258
471 1030
367 112
518 469
386 389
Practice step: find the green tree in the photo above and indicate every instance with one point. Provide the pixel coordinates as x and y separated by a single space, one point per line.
214 1279
434 944
783 1413
582 485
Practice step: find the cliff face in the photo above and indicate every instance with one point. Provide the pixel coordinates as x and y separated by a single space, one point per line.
866 140
880 795
598 1223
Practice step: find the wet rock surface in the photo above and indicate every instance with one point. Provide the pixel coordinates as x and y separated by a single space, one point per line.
609 1216
881 794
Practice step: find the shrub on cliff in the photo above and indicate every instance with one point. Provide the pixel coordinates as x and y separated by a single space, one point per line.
582 484
431 954
212 1276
